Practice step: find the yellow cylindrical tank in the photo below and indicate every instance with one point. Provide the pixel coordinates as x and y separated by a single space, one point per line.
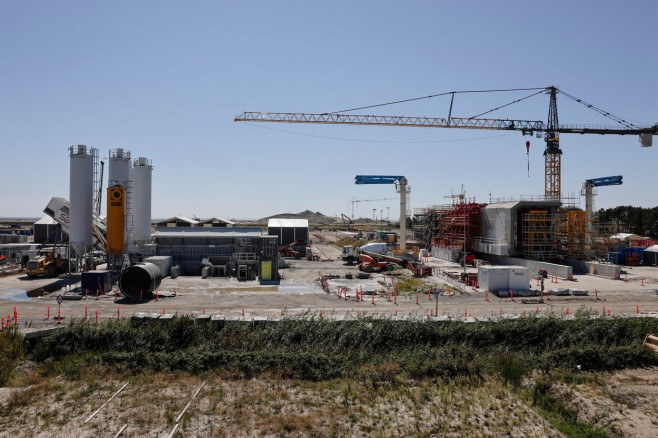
116 211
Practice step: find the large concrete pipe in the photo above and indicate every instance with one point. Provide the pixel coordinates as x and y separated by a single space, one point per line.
140 281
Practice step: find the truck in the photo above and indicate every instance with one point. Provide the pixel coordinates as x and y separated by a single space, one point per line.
351 254
48 263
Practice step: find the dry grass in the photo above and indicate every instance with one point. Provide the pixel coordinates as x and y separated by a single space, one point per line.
266 407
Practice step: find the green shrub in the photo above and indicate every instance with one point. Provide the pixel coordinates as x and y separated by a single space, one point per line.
316 348
11 351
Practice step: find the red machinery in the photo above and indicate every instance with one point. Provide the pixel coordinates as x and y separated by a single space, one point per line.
370 264
371 261
289 250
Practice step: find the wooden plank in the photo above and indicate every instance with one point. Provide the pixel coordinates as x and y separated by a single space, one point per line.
190 402
104 404
121 431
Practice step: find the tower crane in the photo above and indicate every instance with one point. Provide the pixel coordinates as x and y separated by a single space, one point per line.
356 201
551 129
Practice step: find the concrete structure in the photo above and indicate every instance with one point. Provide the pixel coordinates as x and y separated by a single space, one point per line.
501 229
603 269
288 230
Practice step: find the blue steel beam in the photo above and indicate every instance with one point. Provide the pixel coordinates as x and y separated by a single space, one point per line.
376 179
605 181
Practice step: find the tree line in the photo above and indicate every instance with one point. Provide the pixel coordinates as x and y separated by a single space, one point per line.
628 219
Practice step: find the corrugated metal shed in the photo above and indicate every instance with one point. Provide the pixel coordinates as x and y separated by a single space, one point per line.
207 233
288 230
177 221
215 221
287 223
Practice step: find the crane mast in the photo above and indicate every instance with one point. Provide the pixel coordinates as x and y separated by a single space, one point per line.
553 153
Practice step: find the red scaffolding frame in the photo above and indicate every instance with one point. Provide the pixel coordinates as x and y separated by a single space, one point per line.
455 223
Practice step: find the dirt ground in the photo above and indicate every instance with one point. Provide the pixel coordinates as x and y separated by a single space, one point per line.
622 404
300 292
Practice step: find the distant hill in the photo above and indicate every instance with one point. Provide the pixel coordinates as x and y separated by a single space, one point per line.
313 218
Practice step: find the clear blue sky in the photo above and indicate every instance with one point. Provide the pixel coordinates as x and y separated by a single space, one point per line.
165 79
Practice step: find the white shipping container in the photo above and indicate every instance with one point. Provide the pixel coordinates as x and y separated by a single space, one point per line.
519 278
493 278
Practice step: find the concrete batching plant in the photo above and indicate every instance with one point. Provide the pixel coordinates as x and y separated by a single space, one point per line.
141 177
81 197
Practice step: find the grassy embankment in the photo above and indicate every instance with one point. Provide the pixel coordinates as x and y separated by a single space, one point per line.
528 355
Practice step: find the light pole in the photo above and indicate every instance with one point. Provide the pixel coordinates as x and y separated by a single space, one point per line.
388 215
373 216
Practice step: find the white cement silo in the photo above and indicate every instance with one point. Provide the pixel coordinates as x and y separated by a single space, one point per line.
141 178
119 168
81 194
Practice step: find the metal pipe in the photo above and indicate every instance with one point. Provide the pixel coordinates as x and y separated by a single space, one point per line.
140 281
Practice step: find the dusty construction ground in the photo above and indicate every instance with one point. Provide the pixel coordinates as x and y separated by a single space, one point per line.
301 292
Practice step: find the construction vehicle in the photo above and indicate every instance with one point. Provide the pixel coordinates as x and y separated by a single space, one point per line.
292 250
48 263
370 264
349 221
467 260
351 254
416 268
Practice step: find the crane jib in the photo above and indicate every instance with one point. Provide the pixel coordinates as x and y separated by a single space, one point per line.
525 126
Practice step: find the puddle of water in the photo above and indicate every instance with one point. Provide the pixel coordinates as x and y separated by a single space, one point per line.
14 294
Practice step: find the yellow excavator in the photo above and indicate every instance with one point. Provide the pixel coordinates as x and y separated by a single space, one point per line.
48 263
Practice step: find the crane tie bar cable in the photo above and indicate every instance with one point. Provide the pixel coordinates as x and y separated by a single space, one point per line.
507 104
611 116
434 95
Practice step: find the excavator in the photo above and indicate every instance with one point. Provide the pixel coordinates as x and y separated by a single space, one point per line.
349 221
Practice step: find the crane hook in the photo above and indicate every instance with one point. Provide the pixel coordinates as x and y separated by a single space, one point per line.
527 149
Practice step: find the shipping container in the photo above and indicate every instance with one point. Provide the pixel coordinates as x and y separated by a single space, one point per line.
519 278
493 278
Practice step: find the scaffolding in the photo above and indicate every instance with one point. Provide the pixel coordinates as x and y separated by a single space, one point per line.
538 235
456 225
421 225
571 234
564 234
